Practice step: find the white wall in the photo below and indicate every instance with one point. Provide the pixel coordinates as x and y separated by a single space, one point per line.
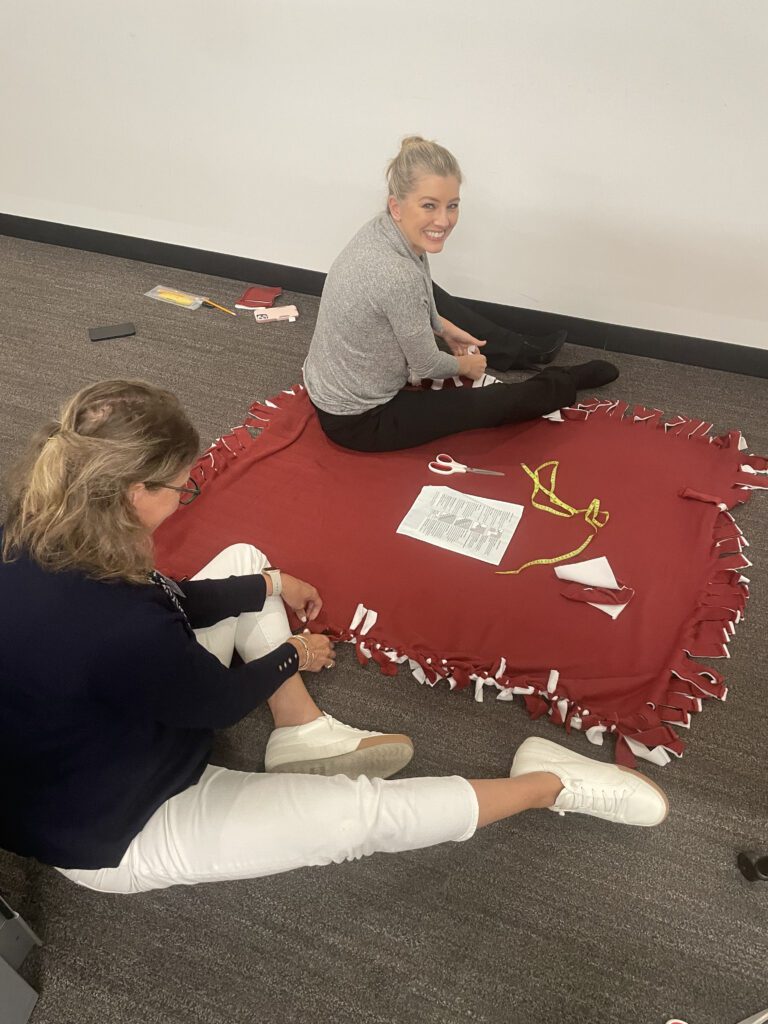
615 151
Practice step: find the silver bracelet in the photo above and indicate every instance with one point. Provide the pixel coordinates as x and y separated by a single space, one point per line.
277 581
309 654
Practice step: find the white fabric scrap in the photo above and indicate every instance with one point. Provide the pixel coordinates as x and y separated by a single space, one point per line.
555 417
370 621
417 671
554 675
595 572
357 618
656 755
485 380
595 734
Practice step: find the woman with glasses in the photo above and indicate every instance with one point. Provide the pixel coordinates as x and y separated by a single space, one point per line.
113 678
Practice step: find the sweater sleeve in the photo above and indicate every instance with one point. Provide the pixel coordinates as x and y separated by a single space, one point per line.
426 359
209 601
407 308
160 670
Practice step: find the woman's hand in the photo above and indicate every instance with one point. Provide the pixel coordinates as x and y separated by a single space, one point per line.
315 651
458 341
302 597
472 366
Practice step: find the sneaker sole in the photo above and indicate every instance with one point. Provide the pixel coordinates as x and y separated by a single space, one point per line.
376 762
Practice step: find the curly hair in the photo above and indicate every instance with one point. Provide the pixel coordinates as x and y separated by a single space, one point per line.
68 499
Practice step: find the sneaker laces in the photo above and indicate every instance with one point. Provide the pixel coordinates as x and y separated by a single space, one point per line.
578 795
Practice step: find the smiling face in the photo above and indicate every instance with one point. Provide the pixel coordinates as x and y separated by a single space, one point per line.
428 214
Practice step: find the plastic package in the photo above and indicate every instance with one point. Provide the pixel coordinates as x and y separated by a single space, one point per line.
185 299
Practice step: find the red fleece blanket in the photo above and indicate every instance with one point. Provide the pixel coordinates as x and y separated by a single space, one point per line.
329 516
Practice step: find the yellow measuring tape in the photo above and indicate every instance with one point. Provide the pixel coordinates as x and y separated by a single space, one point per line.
592 514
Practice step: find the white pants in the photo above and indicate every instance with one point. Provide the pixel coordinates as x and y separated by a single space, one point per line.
247 825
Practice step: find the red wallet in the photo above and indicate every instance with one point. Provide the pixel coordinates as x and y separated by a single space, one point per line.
257 296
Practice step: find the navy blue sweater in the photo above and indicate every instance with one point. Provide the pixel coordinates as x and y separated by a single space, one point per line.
108 704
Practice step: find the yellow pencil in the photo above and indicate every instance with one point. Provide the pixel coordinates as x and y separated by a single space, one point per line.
210 302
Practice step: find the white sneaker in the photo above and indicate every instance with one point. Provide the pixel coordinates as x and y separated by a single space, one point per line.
591 787
327 747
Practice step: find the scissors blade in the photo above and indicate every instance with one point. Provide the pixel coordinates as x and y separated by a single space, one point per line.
486 472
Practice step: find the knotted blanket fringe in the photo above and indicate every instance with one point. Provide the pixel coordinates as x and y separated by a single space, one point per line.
649 734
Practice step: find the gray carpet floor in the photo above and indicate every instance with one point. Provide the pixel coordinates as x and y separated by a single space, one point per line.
538 919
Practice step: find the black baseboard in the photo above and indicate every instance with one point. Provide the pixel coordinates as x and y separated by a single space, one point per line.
714 355
164 254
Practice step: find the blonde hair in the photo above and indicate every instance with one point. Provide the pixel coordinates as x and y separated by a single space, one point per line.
69 506
416 158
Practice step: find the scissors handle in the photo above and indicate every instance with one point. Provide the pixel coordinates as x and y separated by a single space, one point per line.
446 465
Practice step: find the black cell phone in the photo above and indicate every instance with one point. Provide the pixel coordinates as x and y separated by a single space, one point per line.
116 331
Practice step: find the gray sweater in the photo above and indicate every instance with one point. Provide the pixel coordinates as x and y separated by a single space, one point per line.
377 320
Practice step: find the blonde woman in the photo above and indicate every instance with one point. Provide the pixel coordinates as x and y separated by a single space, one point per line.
378 320
113 678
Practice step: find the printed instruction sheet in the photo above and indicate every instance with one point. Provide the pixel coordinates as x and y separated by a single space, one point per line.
477 527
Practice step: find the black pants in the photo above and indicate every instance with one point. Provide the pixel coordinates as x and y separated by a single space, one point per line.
412 418
415 417
503 347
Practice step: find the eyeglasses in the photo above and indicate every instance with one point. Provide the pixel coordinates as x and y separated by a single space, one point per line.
187 494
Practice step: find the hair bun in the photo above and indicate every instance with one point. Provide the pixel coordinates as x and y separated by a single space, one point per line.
419 156
411 140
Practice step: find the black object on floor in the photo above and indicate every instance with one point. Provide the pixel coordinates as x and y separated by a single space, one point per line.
115 331
754 868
